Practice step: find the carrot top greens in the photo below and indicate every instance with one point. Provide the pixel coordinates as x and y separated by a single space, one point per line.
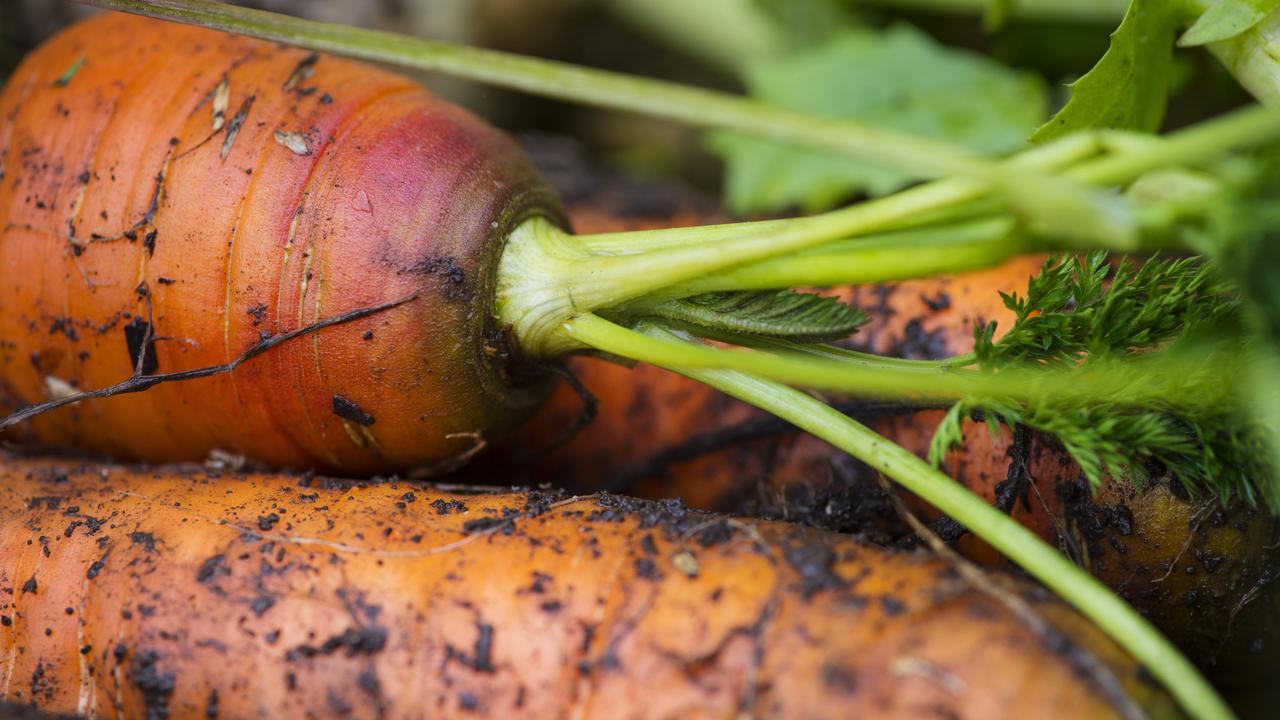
1083 313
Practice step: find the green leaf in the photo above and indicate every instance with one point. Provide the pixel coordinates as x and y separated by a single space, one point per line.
1129 87
778 314
1225 19
948 434
898 78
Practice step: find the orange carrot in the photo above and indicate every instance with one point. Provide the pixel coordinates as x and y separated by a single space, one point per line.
173 592
187 193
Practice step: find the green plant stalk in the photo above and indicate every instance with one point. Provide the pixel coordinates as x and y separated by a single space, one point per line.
874 258
1129 629
693 106
835 352
1149 381
1049 157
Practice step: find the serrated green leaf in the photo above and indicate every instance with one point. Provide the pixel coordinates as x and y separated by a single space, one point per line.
1225 19
948 434
778 314
899 78
1176 318
1129 87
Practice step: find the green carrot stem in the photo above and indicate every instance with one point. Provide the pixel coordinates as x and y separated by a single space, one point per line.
873 258
834 352
1129 629
1052 156
1149 381
1248 127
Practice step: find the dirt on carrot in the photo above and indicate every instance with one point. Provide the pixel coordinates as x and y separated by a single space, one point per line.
186 195
173 591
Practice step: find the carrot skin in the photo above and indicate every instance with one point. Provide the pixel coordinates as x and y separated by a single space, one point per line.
160 591
216 189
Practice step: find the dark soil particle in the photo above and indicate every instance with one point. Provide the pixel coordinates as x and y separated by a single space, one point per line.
368 682
647 569
892 605
919 344
506 526
814 563
444 507
216 565
262 604
484 648
156 686
267 522
714 534
939 302
452 277
50 502
211 705
64 325
468 702
648 545
30 586
365 640
339 706
259 313
146 540
348 410
41 684
840 679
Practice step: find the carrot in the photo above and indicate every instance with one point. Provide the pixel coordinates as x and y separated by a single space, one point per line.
174 592
205 191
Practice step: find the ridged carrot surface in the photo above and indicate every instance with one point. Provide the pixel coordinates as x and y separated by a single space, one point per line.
170 592
215 190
